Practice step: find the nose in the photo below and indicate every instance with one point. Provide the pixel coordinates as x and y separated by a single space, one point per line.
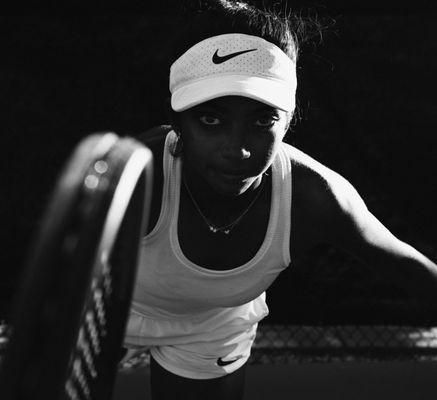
235 146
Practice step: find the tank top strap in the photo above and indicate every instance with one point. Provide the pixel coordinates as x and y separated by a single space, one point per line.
281 193
170 165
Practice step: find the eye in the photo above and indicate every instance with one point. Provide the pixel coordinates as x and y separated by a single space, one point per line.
209 120
266 122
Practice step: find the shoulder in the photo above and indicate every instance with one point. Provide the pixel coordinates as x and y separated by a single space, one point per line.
324 197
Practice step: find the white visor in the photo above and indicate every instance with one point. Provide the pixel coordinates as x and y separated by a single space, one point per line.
233 65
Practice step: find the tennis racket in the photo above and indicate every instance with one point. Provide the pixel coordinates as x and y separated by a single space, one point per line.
70 313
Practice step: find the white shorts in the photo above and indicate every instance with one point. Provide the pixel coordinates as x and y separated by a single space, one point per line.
210 345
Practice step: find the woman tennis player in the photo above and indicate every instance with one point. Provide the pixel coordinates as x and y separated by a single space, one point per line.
233 205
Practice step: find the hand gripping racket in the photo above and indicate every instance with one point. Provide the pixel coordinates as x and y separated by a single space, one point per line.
70 313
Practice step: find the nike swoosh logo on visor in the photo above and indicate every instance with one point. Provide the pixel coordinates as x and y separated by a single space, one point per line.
216 59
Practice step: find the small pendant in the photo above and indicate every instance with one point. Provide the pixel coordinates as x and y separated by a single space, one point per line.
214 229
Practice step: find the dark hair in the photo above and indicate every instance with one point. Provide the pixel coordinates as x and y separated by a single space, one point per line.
217 17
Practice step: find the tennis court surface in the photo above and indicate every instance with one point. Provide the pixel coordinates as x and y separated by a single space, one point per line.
307 381
330 362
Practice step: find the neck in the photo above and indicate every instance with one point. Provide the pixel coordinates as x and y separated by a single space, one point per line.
217 207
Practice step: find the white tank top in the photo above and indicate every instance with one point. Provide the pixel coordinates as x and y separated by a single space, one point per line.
177 302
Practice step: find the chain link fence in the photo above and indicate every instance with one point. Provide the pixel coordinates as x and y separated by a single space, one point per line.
285 343
282 343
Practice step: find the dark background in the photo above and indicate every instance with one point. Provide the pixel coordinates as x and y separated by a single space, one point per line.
367 109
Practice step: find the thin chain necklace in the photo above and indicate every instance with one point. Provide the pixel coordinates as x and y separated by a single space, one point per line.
226 228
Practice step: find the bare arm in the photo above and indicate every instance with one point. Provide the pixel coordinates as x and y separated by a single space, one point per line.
351 226
327 208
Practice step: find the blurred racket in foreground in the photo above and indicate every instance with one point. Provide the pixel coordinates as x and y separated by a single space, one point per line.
70 313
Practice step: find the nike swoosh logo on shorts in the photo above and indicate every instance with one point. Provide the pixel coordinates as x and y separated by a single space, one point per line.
216 59
223 363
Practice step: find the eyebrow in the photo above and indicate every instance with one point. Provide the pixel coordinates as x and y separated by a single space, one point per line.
216 107
266 107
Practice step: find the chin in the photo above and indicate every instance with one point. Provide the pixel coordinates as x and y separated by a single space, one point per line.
233 190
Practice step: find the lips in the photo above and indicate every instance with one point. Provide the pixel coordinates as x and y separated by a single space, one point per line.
234 171
234 174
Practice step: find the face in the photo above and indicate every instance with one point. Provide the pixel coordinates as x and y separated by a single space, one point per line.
231 141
